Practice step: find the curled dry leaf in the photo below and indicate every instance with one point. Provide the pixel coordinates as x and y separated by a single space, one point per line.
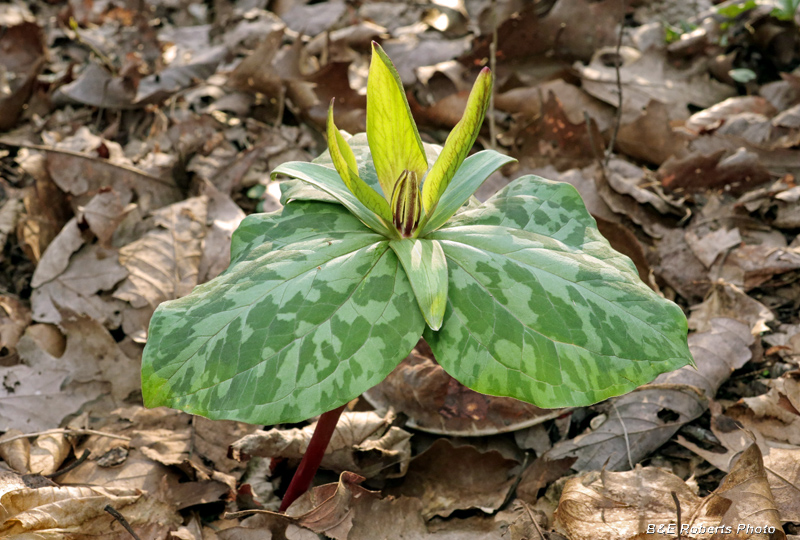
435 402
727 300
780 461
364 442
649 76
48 452
718 114
103 214
737 171
648 417
612 505
52 512
15 453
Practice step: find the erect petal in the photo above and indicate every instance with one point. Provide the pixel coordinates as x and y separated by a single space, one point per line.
406 205
458 142
392 134
345 163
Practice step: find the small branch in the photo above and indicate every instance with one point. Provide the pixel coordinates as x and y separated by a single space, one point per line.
71 466
625 433
309 465
66 432
617 65
677 510
122 521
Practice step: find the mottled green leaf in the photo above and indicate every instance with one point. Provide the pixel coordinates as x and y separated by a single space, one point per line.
329 181
391 130
473 172
540 307
426 268
314 310
458 142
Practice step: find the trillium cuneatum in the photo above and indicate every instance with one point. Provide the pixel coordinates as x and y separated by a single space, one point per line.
381 242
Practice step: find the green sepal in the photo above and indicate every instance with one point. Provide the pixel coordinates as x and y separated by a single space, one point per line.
459 142
426 268
345 163
329 181
314 310
392 133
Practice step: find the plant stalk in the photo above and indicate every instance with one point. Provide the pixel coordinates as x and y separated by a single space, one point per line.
305 473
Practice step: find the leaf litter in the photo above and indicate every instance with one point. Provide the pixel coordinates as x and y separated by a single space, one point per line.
135 137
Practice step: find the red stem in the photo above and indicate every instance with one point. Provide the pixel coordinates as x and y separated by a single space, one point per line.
305 473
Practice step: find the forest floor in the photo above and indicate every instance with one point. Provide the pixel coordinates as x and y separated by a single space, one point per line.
135 135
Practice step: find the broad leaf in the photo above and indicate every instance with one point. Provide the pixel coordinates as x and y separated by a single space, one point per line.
306 318
391 131
426 268
473 172
345 163
329 181
458 142
540 307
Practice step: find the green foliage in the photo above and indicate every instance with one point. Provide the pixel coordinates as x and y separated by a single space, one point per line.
786 11
381 241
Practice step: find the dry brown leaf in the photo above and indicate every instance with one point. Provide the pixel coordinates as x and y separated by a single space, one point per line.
364 442
613 505
737 171
103 214
14 318
609 505
646 418
48 452
712 245
83 176
15 453
437 403
224 217
55 258
727 300
653 126
744 501
23 46
51 513
781 463
163 264
447 478
648 76
715 116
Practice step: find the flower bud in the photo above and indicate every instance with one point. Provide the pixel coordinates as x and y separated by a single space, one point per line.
406 203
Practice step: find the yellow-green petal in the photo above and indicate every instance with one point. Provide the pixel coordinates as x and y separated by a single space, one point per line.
392 134
458 142
345 163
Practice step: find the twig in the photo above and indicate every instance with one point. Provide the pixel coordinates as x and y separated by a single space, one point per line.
533 519
677 511
70 466
625 433
493 67
617 65
66 432
122 521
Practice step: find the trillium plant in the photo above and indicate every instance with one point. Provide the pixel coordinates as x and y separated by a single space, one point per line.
381 242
